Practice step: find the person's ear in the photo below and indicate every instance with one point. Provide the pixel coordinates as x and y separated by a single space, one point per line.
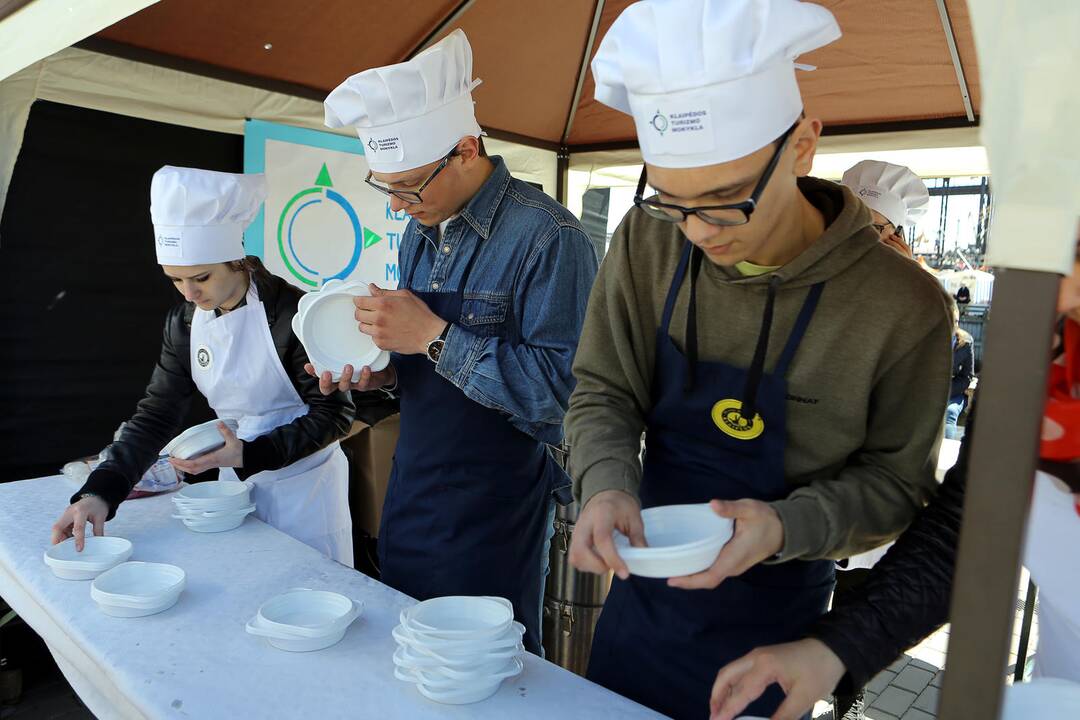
805 142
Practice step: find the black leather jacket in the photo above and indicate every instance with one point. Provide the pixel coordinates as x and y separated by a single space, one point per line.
159 414
906 595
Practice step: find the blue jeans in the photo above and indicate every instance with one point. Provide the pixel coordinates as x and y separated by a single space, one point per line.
952 413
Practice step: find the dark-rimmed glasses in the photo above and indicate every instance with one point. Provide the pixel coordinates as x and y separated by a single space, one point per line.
726 215
412 196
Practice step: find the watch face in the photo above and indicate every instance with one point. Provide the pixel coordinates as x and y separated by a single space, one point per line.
434 350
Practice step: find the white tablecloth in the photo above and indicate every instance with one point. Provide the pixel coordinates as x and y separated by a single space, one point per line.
196 661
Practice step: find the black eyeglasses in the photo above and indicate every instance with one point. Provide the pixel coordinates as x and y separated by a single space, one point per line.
898 229
412 196
734 214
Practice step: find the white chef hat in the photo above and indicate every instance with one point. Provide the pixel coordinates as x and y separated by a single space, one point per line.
708 81
892 190
199 216
413 113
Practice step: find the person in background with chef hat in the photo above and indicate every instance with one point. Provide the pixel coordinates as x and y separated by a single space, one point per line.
231 339
781 361
895 195
906 596
495 277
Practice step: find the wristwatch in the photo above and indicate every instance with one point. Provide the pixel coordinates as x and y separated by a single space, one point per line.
435 347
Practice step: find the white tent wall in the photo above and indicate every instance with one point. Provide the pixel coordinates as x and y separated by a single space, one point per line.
102 82
954 152
42 27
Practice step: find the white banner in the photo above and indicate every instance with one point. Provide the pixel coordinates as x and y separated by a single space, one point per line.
320 220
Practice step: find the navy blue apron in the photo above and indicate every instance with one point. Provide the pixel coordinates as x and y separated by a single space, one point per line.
663 646
469 493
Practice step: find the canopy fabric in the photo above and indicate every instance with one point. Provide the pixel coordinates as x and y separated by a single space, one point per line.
893 65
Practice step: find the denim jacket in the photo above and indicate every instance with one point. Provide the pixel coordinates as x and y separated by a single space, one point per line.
524 300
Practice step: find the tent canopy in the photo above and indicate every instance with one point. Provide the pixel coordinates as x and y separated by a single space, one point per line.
900 64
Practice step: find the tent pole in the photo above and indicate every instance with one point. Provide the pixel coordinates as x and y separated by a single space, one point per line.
432 36
950 38
1002 469
562 174
583 70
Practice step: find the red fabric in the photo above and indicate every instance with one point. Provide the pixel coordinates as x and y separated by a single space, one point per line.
1061 418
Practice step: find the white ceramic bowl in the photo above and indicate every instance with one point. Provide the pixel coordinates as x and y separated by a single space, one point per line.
217 522
683 540
440 683
135 589
293 643
466 694
328 331
308 613
477 666
214 495
199 439
460 651
99 554
460 617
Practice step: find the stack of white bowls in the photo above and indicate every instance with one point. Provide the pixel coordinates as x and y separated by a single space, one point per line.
214 506
134 589
303 620
458 650
326 326
98 555
682 540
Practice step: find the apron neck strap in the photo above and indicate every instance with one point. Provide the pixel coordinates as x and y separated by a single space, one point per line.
676 283
802 322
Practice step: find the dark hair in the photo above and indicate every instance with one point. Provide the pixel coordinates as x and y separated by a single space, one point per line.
253 265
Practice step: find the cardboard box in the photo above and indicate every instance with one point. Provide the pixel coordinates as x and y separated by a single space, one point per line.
371 452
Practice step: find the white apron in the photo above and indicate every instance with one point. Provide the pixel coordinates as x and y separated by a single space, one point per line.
235 365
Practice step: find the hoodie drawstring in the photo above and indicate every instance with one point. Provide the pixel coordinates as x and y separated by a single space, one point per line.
757 365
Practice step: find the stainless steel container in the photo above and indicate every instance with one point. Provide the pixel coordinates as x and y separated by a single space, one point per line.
568 634
564 582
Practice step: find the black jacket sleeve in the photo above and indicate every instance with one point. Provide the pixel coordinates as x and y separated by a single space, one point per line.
156 420
329 417
158 416
963 370
906 596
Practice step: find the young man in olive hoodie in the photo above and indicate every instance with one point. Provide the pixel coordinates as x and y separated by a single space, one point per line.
781 362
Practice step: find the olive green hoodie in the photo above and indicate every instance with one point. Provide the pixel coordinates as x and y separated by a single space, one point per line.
866 390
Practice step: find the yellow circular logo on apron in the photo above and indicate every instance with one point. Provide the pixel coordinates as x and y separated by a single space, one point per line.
727 416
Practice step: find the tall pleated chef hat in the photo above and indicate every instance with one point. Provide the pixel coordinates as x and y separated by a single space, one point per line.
708 81
199 216
413 113
893 190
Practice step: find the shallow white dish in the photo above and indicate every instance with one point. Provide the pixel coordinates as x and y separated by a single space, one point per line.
328 330
464 660
683 540
460 651
465 696
460 617
440 683
213 496
199 439
478 666
223 522
309 613
135 589
293 643
99 554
